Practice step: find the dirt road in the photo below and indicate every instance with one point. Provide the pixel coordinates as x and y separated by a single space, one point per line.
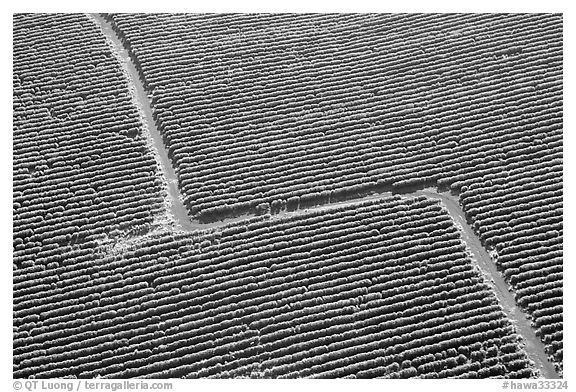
153 136
533 345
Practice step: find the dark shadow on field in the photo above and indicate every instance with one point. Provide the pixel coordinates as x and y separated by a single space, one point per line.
315 199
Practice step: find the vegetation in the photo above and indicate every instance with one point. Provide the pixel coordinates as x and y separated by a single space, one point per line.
298 109
381 289
263 114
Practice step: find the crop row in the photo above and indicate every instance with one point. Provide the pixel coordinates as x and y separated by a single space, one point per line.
387 283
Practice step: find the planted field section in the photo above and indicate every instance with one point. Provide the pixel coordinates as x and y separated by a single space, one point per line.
269 112
81 169
260 109
381 289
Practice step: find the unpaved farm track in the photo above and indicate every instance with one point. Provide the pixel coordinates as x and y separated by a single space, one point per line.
177 209
533 345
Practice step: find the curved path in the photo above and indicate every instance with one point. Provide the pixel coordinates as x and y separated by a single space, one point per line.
178 214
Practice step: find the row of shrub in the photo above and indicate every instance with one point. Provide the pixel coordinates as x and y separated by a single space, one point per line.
386 283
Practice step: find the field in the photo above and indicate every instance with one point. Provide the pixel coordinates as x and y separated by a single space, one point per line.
383 289
269 196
